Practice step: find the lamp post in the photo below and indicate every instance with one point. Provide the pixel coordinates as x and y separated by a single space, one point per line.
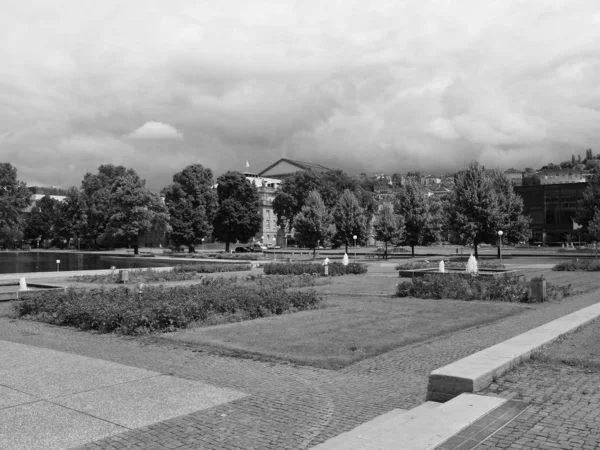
355 237
57 264
500 233
202 243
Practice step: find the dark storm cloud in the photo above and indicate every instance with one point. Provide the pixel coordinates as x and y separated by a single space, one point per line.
423 85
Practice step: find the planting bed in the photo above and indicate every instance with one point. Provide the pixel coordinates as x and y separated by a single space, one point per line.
410 273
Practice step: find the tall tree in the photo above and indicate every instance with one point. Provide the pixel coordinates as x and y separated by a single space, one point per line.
331 184
476 212
589 203
192 204
237 216
14 198
417 209
514 224
96 189
41 223
388 227
350 220
593 227
314 222
133 209
71 220
291 196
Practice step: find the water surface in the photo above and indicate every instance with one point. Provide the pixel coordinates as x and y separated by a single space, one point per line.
20 262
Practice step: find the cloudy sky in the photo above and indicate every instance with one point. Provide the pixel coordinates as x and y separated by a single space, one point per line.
380 85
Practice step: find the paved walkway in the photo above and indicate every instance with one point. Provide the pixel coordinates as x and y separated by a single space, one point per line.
280 406
564 410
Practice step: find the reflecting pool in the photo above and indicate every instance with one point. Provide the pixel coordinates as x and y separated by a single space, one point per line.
17 262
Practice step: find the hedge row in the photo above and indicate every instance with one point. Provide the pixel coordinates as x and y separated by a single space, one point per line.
160 309
506 288
211 268
580 265
335 269
181 272
447 264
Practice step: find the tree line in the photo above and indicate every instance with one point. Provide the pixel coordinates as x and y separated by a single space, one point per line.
115 206
320 208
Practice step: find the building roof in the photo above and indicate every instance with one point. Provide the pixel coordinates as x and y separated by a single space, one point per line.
300 164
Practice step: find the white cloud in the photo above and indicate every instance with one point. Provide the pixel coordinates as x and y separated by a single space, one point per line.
419 84
155 130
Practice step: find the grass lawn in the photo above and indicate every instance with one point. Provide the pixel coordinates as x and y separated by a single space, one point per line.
578 349
348 330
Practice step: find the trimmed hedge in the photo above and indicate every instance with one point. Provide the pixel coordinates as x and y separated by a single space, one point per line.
159 309
448 264
211 268
582 265
183 272
506 288
335 269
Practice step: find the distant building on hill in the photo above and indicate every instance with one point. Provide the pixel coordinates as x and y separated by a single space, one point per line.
563 176
515 176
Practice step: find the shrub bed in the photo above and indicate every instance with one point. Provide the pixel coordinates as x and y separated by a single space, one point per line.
579 265
506 288
335 269
181 272
159 309
448 264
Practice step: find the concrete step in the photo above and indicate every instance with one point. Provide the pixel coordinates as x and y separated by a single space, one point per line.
421 428
396 416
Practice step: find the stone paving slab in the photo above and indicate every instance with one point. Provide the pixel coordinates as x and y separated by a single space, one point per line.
12 397
48 373
43 425
144 402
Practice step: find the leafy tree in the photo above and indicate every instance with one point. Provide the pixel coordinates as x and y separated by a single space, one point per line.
513 224
41 222
192 204
573 160
578 159
594 227
349 219
71 220
314 222
96 189
237 216
589 203
476 211
588 154
291 196
413 204
331 184
388 227
529 170
592 164
133 209
14 198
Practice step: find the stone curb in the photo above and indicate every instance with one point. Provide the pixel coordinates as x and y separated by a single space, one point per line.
478 371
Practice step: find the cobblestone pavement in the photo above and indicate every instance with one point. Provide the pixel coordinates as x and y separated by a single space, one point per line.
291 407
564 411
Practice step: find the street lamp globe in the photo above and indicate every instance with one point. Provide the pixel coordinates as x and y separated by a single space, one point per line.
500 233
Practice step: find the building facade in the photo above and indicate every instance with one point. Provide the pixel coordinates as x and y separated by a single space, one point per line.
552 209
267 189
